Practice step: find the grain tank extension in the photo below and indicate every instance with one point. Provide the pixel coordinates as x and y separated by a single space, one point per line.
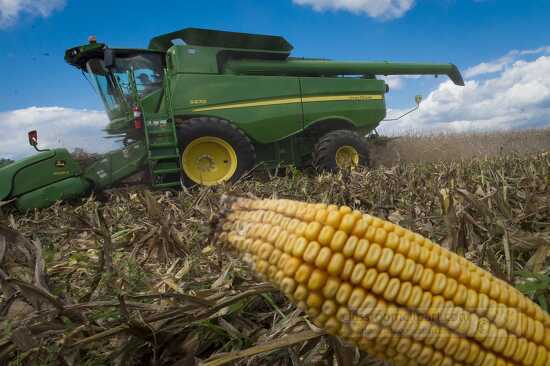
204 107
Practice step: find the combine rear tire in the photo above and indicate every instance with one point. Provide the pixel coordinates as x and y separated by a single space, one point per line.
341 149
213 151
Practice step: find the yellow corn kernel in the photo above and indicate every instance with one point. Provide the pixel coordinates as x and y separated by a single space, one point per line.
404 293
343 315
385 260
371 331
367 306
262 266
356 298
332 326
325 235
303 273
415 297
408 270
541 357
427 279
397 265
312 230
323 258
329 307
336 264
349 265
424 256
301 293
379 312
380 283
392 289
338 241
358 273
311 252
349 247
289 245
369 234
314 300
521 350
361 249
292 266
331 287
288 285
404 246
360 228
460 295
373 255
369 278
299 247
321 215
343 293
347 223
439 284
418 272
333 219
317 279
414 252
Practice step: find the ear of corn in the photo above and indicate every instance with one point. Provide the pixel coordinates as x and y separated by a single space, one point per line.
391 292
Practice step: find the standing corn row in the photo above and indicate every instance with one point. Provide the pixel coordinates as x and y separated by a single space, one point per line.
393 293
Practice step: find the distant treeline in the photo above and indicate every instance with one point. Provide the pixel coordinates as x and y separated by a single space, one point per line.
5 162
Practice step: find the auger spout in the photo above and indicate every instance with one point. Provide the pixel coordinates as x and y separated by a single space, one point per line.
332 68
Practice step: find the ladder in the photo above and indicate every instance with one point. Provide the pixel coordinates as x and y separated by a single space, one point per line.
163 156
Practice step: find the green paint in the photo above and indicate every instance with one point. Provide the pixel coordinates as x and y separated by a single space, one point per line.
116 165
36 171
66 189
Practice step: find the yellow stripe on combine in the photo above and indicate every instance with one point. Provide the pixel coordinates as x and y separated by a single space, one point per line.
338 98
328 98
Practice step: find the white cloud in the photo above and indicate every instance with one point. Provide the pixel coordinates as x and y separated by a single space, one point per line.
503 62
516 95
11 10
56 126
397 82
385 9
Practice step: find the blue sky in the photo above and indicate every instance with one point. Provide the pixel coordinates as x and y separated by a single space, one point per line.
500 43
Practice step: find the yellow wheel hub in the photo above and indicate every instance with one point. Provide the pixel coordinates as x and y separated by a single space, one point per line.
347 157
209 160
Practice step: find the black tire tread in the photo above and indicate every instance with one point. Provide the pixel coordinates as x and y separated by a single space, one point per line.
324 150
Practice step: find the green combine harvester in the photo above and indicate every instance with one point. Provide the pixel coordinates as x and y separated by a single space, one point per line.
204 107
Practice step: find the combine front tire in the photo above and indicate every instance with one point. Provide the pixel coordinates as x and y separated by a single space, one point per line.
213 151
341 149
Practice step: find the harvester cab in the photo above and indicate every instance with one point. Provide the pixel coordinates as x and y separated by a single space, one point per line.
120 77
205 107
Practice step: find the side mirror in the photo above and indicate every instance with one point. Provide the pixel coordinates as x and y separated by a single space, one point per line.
108 57
33 138
418 99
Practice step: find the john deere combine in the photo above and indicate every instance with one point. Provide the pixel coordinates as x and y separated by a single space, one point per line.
204 107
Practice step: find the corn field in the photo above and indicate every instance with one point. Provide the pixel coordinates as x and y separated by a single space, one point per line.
135 277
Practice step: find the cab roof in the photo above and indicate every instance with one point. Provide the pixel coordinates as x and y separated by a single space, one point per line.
78 56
